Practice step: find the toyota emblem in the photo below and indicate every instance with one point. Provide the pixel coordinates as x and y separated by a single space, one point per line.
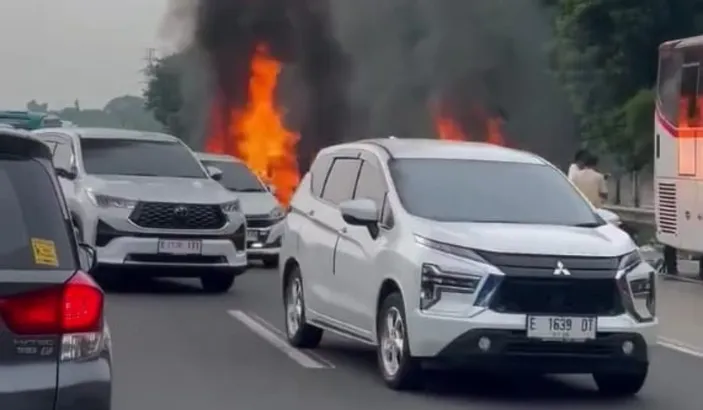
180 211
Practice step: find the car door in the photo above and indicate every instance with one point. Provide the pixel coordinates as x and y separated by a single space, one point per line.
356 269
322 232
37 254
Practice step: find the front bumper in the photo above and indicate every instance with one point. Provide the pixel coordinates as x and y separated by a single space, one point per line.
141 249
512 351
264 241
453 339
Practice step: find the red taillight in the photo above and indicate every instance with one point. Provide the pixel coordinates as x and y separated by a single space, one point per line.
74 307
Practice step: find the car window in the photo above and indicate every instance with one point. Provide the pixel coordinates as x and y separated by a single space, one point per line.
63 155
318 172
371 184
450 190
340 182
113 156
237 176
32 212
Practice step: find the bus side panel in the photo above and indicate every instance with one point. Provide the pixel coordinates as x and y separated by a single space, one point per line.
666 185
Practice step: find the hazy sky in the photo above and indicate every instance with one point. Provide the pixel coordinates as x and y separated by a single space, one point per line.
90 50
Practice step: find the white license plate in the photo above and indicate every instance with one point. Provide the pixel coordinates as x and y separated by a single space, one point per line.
561 328
252 236
180 247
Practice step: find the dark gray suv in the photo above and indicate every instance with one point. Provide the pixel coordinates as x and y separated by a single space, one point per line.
55 349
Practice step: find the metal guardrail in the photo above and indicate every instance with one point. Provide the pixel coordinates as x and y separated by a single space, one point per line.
643 216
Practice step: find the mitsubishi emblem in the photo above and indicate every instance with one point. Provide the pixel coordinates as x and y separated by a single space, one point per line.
560 270
181 211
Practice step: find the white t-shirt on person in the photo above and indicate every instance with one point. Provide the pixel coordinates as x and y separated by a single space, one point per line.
573 169
592 184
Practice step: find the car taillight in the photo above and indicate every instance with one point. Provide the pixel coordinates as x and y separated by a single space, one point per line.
73 307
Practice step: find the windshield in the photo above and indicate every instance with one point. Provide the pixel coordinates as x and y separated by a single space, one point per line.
30 213
106 156
449 190
236 176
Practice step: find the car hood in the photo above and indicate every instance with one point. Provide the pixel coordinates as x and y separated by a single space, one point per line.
257 203
606 241
160 189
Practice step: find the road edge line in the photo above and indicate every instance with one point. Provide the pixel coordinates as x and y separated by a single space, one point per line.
679 346
276 341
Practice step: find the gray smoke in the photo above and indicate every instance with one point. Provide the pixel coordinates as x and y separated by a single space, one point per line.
408 54
401 57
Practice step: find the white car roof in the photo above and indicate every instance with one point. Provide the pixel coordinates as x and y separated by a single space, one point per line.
440 149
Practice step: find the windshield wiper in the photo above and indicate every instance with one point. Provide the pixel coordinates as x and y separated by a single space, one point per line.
588 225
247 190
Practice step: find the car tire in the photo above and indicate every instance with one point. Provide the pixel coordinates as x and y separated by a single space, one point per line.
620 384
270 262
298 332
399 370
217 282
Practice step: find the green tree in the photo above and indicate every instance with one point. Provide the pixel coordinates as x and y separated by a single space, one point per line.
163 93
605 55
37 107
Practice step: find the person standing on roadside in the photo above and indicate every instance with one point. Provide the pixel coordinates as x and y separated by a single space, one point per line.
577 165
591 182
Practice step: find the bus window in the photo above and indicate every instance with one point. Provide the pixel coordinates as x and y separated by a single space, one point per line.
668 86
689 116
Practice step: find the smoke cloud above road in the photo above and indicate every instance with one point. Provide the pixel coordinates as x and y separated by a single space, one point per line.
368 68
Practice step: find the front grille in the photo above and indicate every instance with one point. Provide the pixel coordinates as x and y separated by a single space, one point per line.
259 221
163 215
598 297
666 208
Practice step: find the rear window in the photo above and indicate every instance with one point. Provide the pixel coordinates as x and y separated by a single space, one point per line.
236 176
35 233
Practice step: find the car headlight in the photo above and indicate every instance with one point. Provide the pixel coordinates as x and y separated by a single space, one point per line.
435 281
277 213
107 201
232 206
637 286
449 248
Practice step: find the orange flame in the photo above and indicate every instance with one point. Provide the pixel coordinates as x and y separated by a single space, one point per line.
451 130
256 134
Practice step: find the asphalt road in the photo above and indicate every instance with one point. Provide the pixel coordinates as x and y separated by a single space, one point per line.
176 348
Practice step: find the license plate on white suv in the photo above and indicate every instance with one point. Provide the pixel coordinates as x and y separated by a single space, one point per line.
562 328
180 247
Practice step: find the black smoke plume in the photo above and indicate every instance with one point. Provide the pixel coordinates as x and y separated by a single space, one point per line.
297 33
371 68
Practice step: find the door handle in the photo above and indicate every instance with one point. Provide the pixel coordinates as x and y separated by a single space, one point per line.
343 230
311 212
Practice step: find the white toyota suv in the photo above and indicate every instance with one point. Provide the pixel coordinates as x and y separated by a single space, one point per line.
464 254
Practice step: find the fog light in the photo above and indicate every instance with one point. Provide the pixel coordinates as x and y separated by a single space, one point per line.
484 344
628 347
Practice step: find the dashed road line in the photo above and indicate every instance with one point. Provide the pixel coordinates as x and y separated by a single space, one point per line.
680 346
276 340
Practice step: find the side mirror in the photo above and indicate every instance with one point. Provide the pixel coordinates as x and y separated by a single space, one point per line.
88 256
71 174
609 216
360 212
214 172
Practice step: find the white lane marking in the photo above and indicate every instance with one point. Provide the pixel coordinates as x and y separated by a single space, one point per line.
277 341
282 336
680 347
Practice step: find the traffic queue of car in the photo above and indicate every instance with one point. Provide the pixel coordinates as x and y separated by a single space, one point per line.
513 272
87 203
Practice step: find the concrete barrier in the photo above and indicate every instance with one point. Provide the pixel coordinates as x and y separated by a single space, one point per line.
643 216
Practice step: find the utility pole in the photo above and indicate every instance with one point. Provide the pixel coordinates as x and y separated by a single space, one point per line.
150 58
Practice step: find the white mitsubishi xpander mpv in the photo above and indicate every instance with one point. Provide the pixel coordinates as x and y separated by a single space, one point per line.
464 254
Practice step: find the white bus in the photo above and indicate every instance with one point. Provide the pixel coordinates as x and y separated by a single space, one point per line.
678 144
